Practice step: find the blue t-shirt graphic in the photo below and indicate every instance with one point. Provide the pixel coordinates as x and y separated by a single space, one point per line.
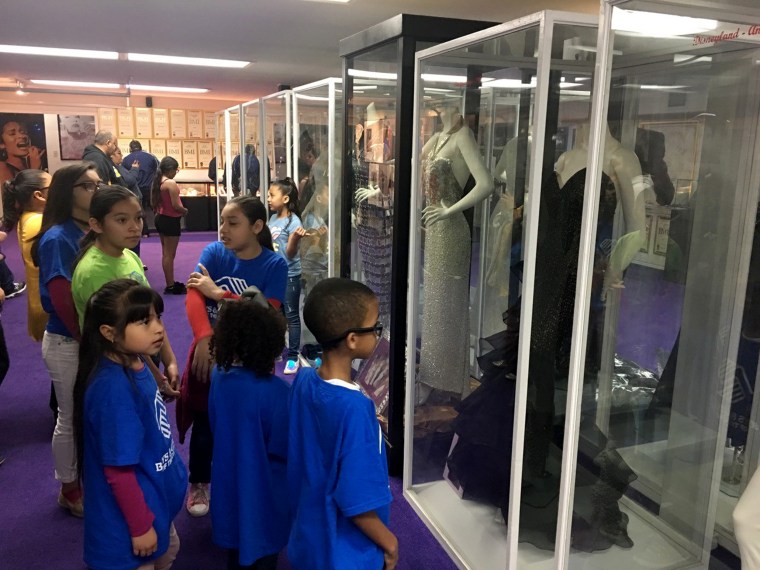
57 250
125 423
249 501
281 229
337 469
268 272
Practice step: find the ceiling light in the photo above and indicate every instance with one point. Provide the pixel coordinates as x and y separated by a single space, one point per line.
58 52
656 25
653 87
75 83
331 1
437 90
134 87
371 74
178 60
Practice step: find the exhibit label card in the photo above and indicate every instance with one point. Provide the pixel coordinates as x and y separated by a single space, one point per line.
174 149
142 122
107 120
190 154
209 125
195 124
126 122
205 153
158 148
179 124
160 123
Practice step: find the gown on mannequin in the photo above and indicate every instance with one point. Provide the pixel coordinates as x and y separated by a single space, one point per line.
446 281
480 461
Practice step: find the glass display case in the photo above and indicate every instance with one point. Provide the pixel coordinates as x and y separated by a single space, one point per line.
495 111
317 128
378 79
277 137
603 417
252 135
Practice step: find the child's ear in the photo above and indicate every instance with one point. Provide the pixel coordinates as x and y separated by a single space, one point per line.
108 332
258 225
95 226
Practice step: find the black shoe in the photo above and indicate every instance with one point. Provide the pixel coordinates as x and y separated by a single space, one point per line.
145 268
176 289
18 288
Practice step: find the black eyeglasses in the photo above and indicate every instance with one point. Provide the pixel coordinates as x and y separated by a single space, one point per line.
89 186
377 329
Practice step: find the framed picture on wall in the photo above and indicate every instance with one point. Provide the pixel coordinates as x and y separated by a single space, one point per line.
126 122
22 144
190 154
205 153
195 124
179 123
161 123
158 148
143 124
75 132
209 125
174 149
106 120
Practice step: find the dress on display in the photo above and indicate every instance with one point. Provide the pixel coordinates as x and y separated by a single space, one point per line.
446 281
484 425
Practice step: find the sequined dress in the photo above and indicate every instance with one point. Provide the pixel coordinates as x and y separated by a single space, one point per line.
446 272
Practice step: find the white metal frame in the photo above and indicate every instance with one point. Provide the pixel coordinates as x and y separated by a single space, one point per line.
260 144
333 144
545 21
287 96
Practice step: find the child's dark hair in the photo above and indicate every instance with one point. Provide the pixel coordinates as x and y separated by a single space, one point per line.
288 188
117 304
101 205
334 306
60 199
254 210
167 164
249 334
17 194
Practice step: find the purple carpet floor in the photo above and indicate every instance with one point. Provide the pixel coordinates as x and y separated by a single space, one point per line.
35 533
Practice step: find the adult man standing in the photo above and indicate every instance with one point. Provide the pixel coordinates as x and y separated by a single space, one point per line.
100 154
146 165
251 169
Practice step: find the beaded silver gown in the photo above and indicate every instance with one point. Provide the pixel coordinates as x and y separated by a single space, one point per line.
446 280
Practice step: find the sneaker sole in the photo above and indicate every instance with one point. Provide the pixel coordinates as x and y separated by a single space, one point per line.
64 504
196 515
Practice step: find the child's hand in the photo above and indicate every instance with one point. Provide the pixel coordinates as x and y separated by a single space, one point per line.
3 235
146 544
300 232
2 296
203 282
390 558
202 360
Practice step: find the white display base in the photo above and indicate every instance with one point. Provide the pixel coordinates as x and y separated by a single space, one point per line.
472 533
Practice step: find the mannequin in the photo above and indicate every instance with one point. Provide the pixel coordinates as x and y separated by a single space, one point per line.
450 157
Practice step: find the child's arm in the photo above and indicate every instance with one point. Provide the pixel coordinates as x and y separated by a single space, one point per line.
371 525
131 501
63 303
195 305
295 237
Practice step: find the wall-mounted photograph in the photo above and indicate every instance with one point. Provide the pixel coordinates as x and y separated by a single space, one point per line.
22 143
75 133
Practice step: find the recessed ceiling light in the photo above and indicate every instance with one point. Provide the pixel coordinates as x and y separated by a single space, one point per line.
134 87
371 74
75 83
179 60
58 52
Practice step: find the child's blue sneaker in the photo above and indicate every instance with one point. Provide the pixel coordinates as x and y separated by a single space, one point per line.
291 367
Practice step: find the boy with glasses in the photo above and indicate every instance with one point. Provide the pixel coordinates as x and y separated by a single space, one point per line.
337 469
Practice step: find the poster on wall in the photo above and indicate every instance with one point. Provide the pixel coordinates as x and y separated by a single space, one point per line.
195 124
22 143
209 125
190 154
143 125
126 122
158 148
75 132
161 123
106 120
205 153
179 124
174 149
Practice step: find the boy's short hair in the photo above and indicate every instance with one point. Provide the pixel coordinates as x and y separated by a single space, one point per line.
334 306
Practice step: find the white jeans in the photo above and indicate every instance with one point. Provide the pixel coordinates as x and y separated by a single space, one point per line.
61 356
747 524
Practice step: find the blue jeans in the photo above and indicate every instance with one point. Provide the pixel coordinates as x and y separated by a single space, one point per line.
293 315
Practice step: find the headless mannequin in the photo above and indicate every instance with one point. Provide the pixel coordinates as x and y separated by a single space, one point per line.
453 152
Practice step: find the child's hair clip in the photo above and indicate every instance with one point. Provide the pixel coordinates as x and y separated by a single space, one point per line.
254 294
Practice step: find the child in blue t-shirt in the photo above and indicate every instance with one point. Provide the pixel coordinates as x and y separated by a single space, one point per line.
287 232
337 470
134 480
248 413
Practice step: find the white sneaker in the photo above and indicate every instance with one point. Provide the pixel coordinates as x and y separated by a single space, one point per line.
198 500
291 367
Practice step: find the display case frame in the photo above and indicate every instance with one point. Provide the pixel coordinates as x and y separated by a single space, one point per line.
252 108
273 149
327 94
402 35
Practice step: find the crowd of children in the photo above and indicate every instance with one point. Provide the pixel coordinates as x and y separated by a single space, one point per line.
299 466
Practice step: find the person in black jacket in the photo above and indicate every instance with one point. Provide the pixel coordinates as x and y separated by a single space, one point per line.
100 154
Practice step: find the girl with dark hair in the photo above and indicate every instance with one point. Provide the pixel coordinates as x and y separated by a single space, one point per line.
64 222
248 413
116 222
134 480
242 258
287 231
24 200
169 210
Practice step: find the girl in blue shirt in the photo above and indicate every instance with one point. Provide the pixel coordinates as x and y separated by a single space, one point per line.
248 412
134 480
287 232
